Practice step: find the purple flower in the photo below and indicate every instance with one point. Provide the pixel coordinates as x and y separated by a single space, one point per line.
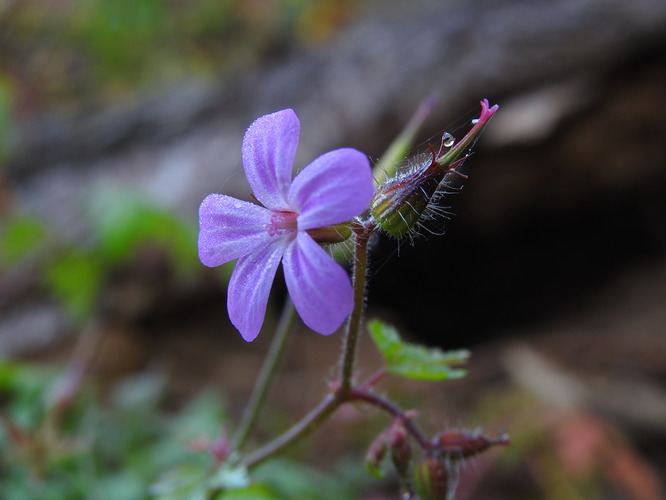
333 189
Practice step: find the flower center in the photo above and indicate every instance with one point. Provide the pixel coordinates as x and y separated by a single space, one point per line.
282 222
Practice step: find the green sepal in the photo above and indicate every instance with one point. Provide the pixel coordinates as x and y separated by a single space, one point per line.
337 233
415 361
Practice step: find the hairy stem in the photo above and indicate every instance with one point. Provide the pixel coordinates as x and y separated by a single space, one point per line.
311 422
362 233
318 415
266 376
365 396
374 379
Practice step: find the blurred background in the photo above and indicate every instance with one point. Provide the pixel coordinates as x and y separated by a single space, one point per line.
118 117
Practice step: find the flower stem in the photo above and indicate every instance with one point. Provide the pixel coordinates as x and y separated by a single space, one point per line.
319 414
366 396
374 379
311 422
266 376
362 233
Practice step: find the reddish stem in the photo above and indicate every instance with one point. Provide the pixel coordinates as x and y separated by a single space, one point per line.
361 394
374 379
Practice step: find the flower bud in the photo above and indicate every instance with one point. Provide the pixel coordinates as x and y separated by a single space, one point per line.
459 444
375 455
401 451
431 478
402 201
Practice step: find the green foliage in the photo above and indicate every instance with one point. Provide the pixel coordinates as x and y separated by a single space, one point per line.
75 278
106 452
107 48
22 391
21 236
415 361
121 225
253 492
289 480
118 34
121 449
123 222
185 482
279 479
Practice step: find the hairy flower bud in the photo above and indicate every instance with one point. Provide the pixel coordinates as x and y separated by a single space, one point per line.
401 450
459 444
375 455
403 200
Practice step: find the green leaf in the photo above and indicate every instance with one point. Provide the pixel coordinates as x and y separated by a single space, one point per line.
415 361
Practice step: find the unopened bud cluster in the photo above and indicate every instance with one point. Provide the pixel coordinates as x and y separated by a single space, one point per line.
433 473
395 441
434 476
431 478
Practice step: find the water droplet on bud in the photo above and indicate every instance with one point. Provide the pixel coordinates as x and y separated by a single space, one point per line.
448 140
475 121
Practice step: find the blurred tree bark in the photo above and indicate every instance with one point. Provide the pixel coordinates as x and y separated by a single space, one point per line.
571 172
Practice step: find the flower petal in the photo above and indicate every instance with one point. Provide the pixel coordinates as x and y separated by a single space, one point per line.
318 286
269 147
230 228
250 286
334 188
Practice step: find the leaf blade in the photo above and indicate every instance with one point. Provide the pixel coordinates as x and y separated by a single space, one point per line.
415 361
